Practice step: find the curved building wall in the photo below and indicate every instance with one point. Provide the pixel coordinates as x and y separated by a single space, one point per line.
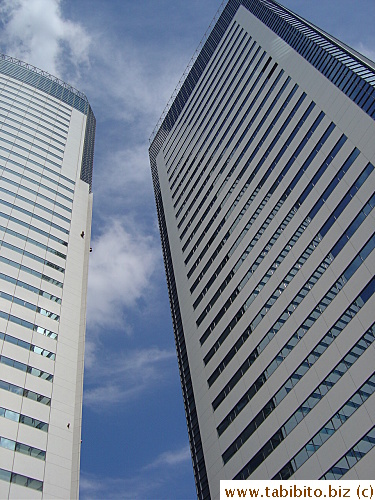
47 134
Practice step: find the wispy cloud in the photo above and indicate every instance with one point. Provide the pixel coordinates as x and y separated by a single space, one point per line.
35 31
131 86
125 185
171 458
148 483
118 379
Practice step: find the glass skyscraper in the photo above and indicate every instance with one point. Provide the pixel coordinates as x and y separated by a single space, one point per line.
47 132
263 172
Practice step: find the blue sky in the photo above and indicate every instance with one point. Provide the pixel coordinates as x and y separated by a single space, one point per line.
127 56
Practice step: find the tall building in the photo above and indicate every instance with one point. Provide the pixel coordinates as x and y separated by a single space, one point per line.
263 171
47 132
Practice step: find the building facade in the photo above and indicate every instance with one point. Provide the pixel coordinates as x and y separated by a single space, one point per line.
263 171
47 132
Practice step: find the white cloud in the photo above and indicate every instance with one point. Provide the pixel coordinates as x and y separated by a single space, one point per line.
124 184
36 32
131 87
171 458
121 270
96 487
114 380
147 483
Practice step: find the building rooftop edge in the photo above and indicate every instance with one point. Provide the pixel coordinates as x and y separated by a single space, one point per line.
352 52
39 71
365 60
187 70
57 88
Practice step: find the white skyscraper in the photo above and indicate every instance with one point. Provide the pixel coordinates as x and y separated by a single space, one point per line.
47 132
263 171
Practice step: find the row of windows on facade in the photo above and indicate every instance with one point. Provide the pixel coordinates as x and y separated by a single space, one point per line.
272 214
328 224
14 112
258 235
288 311
7 181
31 241
38 132
12 116
13 150
32 256
30 288
36 143
26 393
352 457
244 170
26 101
36 229
18 197
11 154
36 372
27 324
23 419
248 106
18 143
220 59
19 170
300 372
328 429
43 177
345 71
292 158
28 305
27 286
39 98
25 449
278 324
251 177
31 271
202 112
21 480
28 346
313 400
33 215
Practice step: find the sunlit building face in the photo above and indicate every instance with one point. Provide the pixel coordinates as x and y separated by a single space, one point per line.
47 132
263 171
